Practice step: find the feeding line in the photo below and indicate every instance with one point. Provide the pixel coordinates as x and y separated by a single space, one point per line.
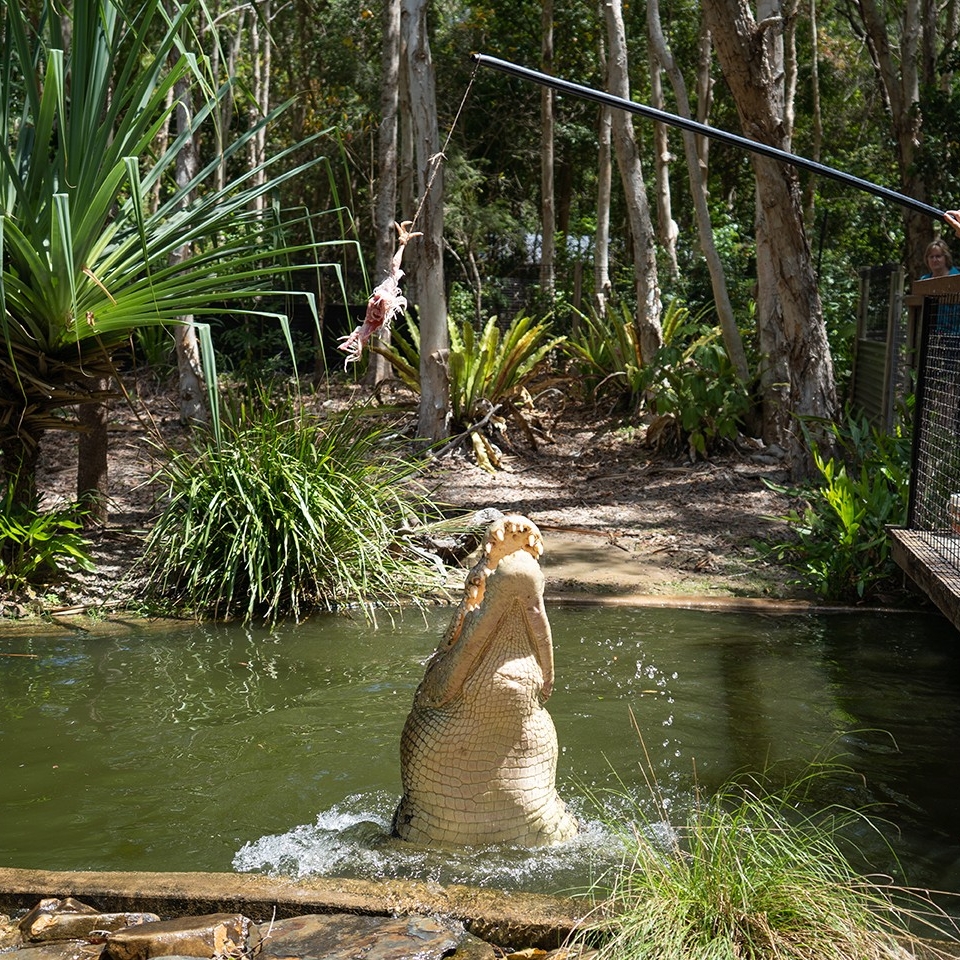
652 113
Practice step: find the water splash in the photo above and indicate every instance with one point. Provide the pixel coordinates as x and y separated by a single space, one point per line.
352 839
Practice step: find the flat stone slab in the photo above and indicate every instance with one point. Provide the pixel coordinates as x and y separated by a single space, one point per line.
71 919
213 935
344 937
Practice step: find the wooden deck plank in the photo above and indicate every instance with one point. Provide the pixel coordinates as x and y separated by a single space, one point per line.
925 557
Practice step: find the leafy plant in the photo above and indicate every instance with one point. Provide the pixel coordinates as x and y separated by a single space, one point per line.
606 354
842 550
38 547
488 373
153 348
88 256
286 514
750 874
689 385
693 391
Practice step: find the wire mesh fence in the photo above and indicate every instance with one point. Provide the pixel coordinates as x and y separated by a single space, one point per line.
934 512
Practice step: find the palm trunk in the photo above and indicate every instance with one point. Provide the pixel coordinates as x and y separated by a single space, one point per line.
93 482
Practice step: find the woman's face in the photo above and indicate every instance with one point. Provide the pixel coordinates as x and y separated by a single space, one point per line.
937 262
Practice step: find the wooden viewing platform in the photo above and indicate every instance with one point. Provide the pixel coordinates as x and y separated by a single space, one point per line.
926 548
924 557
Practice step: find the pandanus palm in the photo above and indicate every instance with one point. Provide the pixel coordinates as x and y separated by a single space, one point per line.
86 259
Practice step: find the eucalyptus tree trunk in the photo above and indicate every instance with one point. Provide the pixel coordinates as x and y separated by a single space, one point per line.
385 213
192 392
601 255
816 116
704 92
698 190
667 229
796 376
434 415
548 214
635 193
228 46
261 62
898 64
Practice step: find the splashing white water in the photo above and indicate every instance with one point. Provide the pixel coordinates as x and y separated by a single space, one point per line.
352 839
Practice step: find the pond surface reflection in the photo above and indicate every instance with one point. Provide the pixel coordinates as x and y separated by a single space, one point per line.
218 748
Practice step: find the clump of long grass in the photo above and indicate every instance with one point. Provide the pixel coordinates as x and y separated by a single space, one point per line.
285 513
750 876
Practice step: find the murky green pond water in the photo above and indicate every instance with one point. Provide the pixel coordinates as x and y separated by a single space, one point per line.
213 748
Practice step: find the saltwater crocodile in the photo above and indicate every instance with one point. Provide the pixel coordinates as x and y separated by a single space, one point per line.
478 753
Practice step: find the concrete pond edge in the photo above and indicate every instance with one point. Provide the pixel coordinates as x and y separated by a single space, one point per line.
497 916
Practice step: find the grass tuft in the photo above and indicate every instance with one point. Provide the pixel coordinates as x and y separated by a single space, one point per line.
286 514
749 876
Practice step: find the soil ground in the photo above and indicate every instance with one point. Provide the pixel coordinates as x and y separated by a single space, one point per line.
618 518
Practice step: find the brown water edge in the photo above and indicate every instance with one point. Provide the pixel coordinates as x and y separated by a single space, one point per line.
578 594
499 917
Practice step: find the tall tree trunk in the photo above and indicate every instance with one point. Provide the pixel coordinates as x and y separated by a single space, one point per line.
194 408
704 92
434 415
816 118
797 373
698 190
898 66
548 216
386 210
261 59
667 230
601 253
635 193
601 256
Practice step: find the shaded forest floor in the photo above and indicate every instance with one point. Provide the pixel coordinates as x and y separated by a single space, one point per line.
618 517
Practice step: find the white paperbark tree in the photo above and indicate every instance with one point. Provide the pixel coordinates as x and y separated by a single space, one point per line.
385 213
698 190
646 279
434 414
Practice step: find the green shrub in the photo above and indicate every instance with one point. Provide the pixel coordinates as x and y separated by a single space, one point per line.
751 876
488 373
36 547
689 386
287 513
606 355
842 550
693 391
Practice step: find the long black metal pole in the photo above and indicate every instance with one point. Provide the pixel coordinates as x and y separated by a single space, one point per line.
609 100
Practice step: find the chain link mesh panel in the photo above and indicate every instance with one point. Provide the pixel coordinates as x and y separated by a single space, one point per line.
935 485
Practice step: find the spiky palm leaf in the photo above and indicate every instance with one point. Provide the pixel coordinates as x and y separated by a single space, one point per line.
85 259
